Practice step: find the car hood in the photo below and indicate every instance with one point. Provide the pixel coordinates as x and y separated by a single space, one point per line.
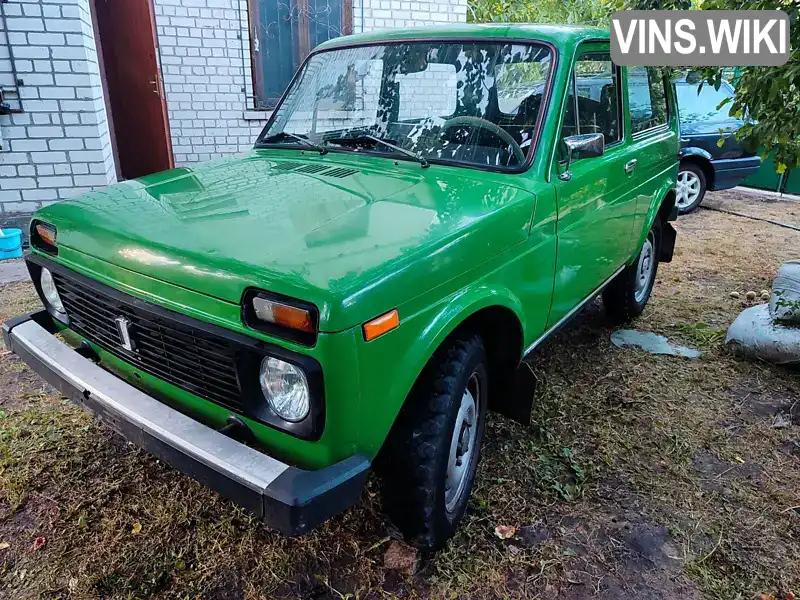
355 235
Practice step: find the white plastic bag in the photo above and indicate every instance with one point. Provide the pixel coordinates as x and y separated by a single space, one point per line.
755 333
784 303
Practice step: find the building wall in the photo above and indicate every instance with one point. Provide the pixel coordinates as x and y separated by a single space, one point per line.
60 145
369 15
204 47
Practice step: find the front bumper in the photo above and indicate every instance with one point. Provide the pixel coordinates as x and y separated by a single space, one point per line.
289 499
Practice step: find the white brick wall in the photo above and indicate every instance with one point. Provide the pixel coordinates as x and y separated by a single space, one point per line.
60 145
383 14
204 47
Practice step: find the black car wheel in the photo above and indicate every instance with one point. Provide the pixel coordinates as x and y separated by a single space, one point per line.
433 451
628 293
690 188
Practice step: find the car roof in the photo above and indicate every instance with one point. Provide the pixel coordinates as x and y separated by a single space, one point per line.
558 35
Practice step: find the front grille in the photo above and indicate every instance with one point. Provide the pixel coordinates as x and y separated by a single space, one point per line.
187 357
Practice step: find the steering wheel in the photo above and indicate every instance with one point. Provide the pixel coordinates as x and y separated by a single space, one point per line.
480 123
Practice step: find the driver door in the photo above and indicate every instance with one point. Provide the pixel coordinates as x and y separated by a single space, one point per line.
596 205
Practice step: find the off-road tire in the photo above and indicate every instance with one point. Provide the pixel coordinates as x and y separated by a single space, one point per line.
620 296
415 457
701 176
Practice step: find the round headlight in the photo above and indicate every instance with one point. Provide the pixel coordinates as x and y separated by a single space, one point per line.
50 292
286 389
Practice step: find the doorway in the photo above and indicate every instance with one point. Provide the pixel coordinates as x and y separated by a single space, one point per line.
125 35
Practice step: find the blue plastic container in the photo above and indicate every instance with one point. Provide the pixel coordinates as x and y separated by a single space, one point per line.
10 243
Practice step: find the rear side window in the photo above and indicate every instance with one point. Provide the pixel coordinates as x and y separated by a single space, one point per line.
695 107
593 104
647 97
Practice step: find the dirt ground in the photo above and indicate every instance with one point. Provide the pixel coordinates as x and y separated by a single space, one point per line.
641 477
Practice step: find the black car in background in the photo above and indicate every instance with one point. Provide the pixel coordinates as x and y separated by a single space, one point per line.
704 164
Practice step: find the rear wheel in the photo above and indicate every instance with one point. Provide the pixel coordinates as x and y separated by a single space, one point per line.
627 295
690 188
433 451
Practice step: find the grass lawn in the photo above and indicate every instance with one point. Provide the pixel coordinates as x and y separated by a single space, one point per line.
641 476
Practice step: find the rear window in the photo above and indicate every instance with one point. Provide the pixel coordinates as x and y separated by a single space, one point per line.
694 107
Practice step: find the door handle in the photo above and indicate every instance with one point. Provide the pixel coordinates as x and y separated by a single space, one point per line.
630 166
156 83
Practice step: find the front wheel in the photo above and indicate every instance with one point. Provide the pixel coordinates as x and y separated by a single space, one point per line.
433 450
627 294
690 188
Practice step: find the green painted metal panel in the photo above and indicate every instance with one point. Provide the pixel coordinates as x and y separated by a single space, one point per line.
765 178
791 183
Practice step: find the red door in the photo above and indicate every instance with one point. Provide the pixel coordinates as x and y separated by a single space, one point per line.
127 46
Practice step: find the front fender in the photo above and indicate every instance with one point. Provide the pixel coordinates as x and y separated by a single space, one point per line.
390 365
693 151
463 305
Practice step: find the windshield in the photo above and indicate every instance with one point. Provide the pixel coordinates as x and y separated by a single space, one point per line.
474 103
694 107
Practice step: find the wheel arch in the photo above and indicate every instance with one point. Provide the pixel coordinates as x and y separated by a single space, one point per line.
497 317
702 159
667 211
495 314
503 338
662 207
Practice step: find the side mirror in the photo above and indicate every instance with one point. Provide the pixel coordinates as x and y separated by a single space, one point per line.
586 145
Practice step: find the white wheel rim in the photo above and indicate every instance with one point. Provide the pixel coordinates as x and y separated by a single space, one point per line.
462 444
644 269
687 189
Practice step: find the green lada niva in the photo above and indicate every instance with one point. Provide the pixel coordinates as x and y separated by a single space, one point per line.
422 210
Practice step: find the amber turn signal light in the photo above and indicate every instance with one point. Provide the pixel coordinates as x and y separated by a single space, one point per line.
380 325
43 237
283 315
47 233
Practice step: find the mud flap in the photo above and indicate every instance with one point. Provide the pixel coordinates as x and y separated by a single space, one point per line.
668 235
514 399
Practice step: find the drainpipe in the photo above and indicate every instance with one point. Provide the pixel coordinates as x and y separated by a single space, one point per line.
4 108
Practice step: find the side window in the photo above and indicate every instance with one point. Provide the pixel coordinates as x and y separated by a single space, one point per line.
694 106
648 101
593 102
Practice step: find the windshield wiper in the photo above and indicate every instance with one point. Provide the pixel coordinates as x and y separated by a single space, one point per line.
366 137
282 135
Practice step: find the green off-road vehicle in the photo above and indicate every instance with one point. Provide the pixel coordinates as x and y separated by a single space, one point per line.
422 210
